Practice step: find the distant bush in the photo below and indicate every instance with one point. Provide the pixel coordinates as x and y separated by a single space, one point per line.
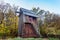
51 25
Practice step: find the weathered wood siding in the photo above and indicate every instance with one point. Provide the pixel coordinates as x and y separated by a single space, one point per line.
28 31
20 26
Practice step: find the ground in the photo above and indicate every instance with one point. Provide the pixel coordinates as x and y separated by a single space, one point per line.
18 38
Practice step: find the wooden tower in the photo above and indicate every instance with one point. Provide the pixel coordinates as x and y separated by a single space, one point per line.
28 26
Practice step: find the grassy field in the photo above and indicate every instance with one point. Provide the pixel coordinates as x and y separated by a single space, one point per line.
31 38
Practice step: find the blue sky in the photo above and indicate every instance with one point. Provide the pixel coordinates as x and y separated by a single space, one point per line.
51 5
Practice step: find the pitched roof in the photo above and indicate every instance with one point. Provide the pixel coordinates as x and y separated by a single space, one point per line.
28 12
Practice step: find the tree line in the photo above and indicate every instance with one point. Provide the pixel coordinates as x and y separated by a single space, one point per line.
49 23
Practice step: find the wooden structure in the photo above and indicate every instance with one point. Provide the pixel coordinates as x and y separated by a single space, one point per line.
28 26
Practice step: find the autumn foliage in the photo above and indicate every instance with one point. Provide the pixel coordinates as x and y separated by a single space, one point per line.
8 23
